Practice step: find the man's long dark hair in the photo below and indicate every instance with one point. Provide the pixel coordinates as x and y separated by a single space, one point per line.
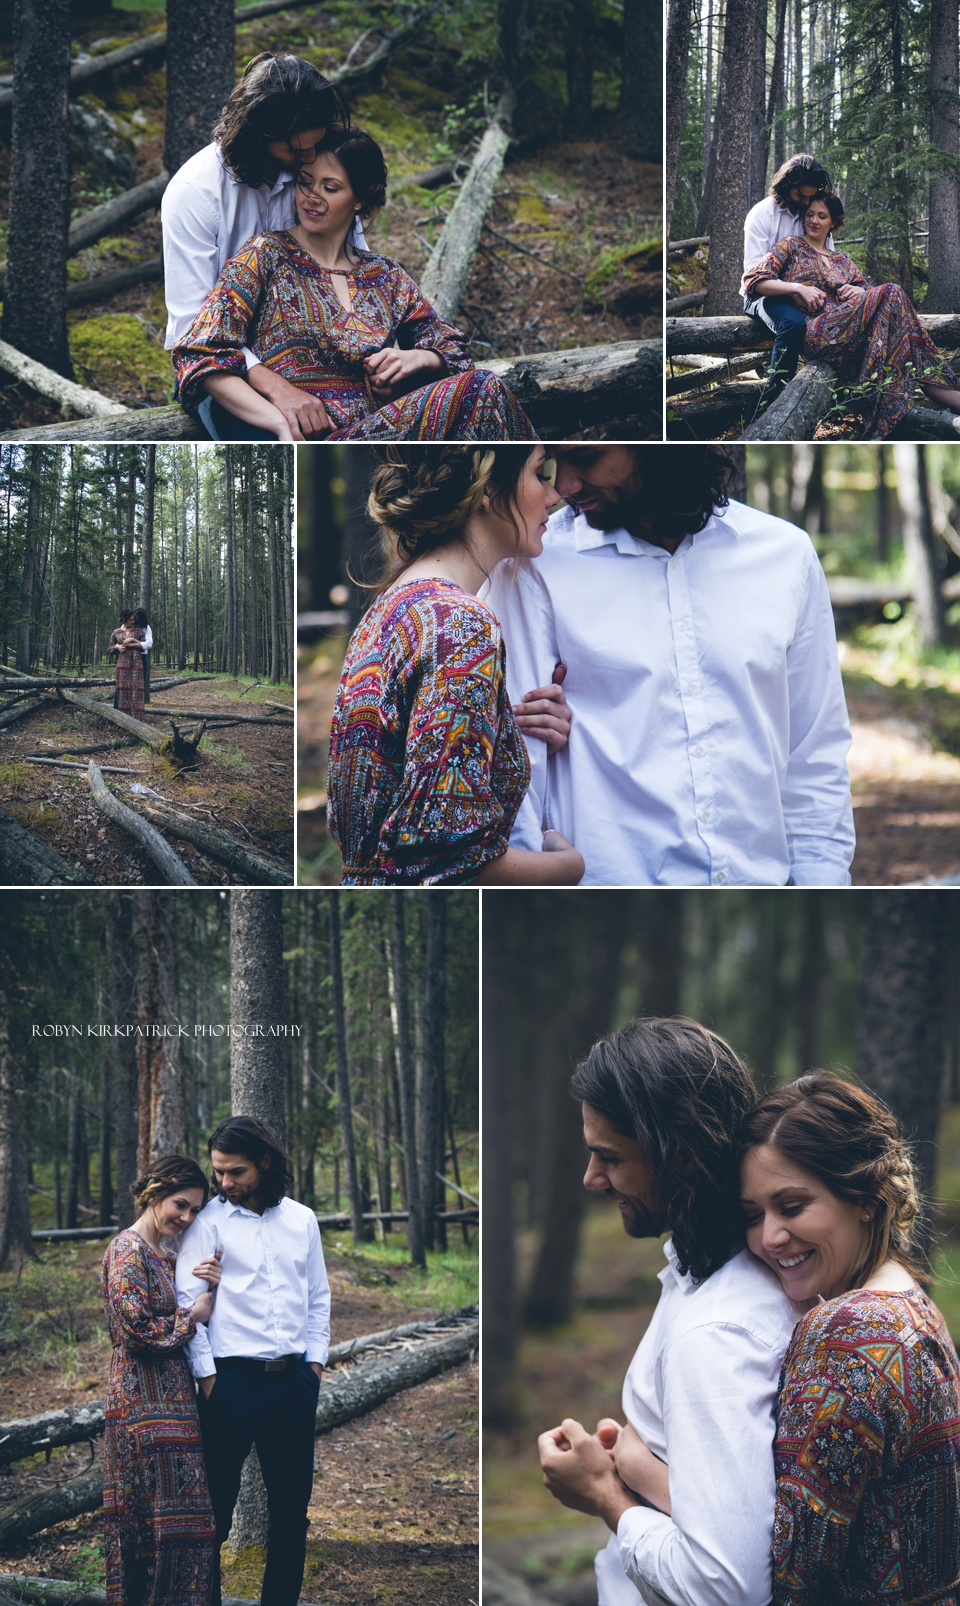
276 97
682 1093
244 1134
802 169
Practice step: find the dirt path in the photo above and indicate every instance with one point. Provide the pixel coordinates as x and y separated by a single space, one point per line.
394 1514
243 783
906 795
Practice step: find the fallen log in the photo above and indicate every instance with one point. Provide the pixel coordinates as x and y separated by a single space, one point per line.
681 303
94 747
589 384
286 707
58 1592
26 1435
47 1506
206 713
110 284
104 219
344 1396
25 708
717 336
171 423
448 268
930 421
708 373
259 868
355 1346
88 403
166 682
133 727
689 245
719 408
28 682
171 867
799 408
25 861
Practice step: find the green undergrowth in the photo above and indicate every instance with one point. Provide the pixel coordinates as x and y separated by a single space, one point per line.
450 1281
115 352
617 263
924 686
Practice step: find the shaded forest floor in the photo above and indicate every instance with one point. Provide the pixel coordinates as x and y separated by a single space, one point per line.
242 784
580 208
394 1511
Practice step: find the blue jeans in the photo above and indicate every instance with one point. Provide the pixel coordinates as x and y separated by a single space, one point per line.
789 326
223 426
277 1412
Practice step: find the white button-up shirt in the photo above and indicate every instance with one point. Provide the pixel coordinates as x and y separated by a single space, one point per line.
765 224
710 733
207 217
273 1298
701 1392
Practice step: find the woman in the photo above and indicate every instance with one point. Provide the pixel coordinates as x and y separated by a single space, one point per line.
869 334
129 642
346 325
868 1415
427 767
158 1521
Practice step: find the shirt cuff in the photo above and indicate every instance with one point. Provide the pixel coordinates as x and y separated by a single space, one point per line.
251 360
819 874
640 1533
318 1353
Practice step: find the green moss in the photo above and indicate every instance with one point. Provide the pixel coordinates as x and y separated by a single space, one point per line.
619 259
115 353
530 209
13 774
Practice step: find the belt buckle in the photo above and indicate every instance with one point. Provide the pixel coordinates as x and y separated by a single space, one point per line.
276 1366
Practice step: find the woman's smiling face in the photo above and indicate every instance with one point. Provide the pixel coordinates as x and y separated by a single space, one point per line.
816 220
815 1242
326 204
536 499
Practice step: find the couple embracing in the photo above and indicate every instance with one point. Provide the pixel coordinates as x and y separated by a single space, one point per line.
216 1349
282 323
792 1413
817 303
594 667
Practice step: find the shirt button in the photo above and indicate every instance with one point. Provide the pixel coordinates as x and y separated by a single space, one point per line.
698 752
689 686
683 624
720 877
705 816
673 563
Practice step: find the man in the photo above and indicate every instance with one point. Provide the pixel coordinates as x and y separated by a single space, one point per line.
662 1103
240 185
259 1361
777 217
709 735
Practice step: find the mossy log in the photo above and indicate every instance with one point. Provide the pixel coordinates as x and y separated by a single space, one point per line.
104 285
170 865
25 861
448 268
26 1435
13 714
88 403
260 869
172 423
47 1506
718 336
799 408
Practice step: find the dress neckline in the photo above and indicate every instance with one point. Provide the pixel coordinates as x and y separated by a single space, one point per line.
165 1258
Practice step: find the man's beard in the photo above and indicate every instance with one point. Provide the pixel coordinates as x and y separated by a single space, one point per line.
239 1198
618 506
639 1221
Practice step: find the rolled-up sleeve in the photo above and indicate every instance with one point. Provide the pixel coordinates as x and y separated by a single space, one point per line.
714 1549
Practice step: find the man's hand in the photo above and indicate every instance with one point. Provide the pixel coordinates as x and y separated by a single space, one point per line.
305 415
544 713
851 292
578 1472
317 1367
206 1383
809 298
391 370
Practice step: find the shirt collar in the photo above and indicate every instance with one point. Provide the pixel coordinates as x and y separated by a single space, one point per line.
670 1272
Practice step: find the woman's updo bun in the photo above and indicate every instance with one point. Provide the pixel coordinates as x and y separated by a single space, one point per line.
166 1176
424 496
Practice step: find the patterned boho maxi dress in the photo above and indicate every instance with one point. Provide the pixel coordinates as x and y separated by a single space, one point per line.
129 674
427 765
877 341
868 1456
275 299
158 1521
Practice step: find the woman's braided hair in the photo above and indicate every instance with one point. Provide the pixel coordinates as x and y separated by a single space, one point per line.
424 496
166 1176
848 1139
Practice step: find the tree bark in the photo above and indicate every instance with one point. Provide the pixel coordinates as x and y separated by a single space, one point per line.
118 936
919 541
798 409
146 552
405 1078
159 1065
48 381
734 130
231 565
16 1243
28 581
579 68
252 571
37 1511
200 74
640 112
273 576
678 56
900 1021
257 998
344 1105
430 1108
25 861
35 298
943 243
812 976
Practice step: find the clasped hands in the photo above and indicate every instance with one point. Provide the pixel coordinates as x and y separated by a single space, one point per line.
389 371
602 1473
811 299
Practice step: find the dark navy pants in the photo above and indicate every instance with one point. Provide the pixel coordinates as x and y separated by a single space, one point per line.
789 327
276 1411
223 426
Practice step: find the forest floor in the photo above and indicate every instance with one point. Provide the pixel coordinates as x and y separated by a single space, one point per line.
581 210
394 1513
243 783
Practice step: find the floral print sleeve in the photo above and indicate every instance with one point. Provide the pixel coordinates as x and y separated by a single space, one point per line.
422 328
773 266
213 343
133 1321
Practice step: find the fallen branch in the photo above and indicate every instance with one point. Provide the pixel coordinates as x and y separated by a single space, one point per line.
680 303
562 389
110 284
259 868
24 708
353 73
48 1506
133 727
68 764
932 421
445 276
166 683
206 713
286 707
25 861
347 1395
89 403
544 262
95 747
719 408
689 245
708 373
799 408
171 867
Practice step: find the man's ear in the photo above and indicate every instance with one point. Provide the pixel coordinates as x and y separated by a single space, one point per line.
264 1163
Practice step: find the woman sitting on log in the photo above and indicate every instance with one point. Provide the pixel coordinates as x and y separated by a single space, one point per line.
347 325
158 1525
131 639
869 334
427 765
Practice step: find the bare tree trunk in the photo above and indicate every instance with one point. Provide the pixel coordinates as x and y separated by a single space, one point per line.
777 100
16 1243
678 56
252 547
257 997
35 298
159 1065
397 975
943 289
123 1059
28 582
732 201
200 46
146 558
430 1110
640 112
272 567
579 66
759 134
231 597
344 1105
812 975
74 1118
919 541
498 1093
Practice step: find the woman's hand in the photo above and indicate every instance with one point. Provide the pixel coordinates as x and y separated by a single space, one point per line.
639 1468
391 369
209 1270
809 297
544 713
306 415
201 1309
851 292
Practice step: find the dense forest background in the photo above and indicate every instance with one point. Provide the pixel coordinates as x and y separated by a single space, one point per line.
869 86
861 983
200 537
557 265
